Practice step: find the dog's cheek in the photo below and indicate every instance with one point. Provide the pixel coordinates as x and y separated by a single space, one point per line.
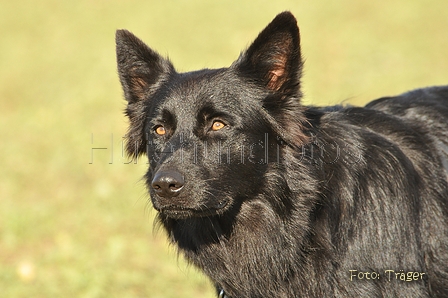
242 179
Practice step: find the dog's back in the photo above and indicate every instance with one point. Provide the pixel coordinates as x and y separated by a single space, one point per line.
404 142
426 107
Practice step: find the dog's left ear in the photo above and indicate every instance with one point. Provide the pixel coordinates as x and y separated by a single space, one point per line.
274 63
273 59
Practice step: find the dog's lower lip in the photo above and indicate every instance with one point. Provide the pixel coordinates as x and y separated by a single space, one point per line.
180 212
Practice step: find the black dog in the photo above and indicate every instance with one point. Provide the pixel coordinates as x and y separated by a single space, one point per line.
270 198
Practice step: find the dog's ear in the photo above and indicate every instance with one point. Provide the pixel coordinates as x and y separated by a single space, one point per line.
274 63
273 59
141 69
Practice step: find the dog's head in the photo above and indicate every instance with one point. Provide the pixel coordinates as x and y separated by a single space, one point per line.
212 136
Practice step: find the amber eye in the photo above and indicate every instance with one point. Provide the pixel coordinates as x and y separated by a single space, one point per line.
160 130
217 125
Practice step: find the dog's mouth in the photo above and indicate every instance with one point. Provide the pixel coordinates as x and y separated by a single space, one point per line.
180 212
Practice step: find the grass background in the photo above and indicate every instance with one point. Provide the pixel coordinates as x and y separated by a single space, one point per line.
72 228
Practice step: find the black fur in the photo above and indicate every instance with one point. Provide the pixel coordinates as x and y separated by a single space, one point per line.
283 200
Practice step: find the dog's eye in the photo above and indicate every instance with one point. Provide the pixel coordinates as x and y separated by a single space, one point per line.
217 125
160 130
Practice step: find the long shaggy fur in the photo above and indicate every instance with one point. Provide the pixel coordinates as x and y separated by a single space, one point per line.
284 200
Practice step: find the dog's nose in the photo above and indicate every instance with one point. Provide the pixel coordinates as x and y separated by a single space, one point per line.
167 183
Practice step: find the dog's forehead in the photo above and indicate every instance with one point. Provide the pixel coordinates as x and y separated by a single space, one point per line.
188 92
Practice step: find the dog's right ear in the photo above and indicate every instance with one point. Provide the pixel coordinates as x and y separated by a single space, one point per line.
141 69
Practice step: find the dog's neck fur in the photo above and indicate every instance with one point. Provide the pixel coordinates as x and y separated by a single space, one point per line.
251 229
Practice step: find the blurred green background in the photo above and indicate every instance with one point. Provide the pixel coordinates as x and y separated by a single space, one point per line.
73 225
